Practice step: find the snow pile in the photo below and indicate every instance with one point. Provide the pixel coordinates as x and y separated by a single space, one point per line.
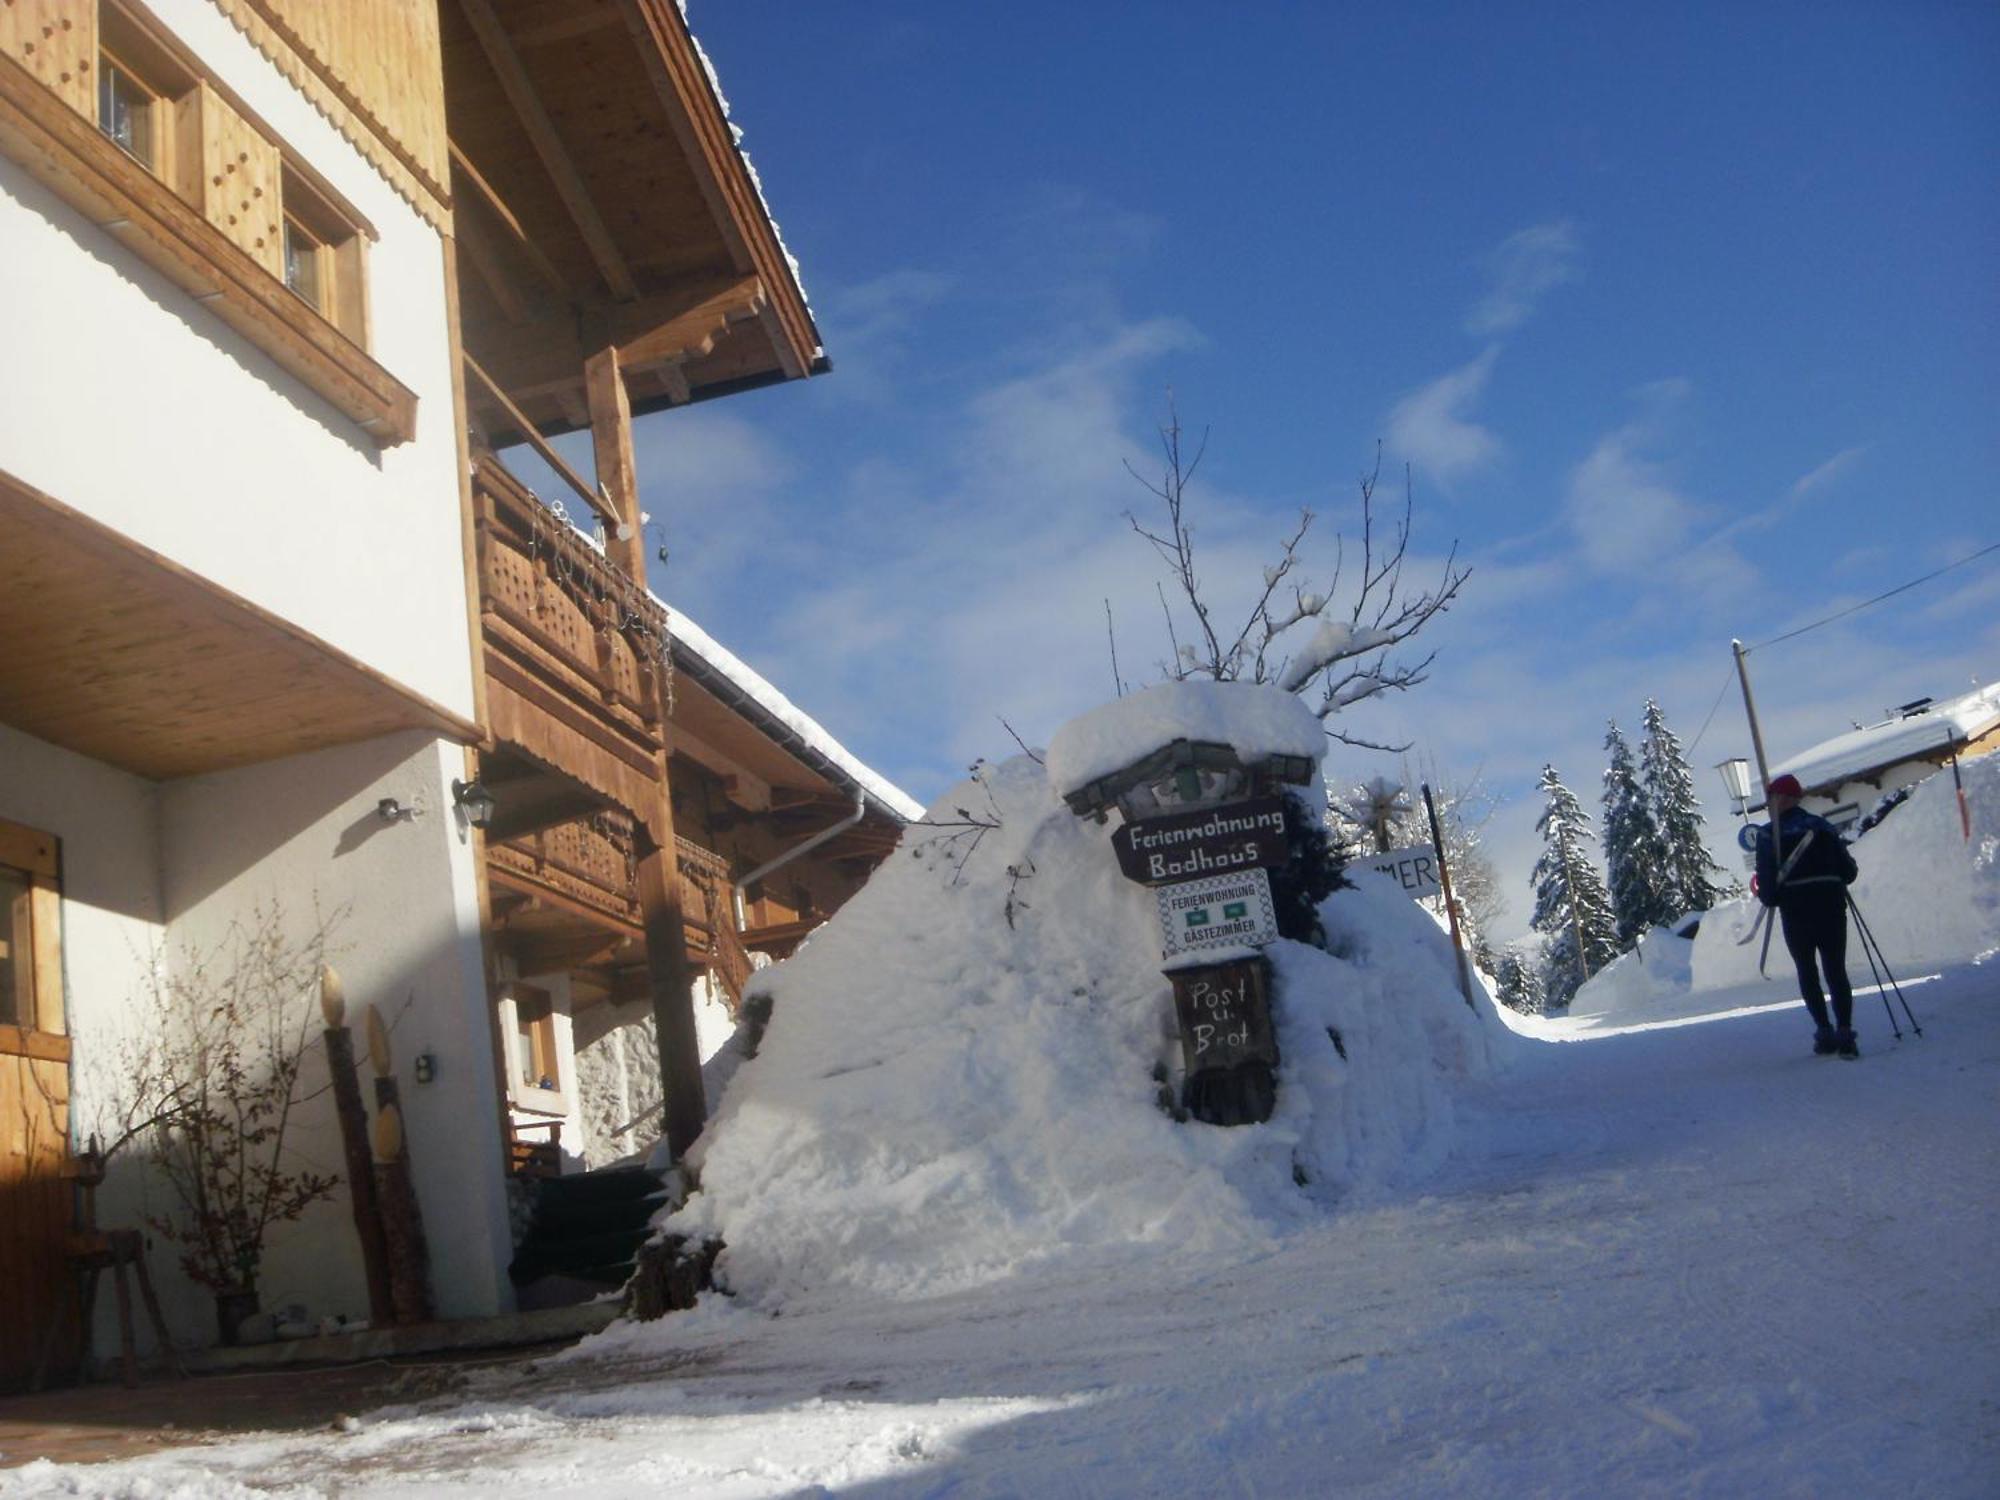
957 1082
1930 895
1661 965
1255 720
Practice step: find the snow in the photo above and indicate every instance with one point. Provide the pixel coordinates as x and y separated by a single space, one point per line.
746 680
1256 720
1650 1248
1682 1260
1860 751
944 1099
1331 641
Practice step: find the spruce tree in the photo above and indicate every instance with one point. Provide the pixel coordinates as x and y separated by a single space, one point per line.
1571 907
1689 879
1518 983
1632 864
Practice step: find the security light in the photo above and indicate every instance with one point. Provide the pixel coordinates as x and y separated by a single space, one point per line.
474 803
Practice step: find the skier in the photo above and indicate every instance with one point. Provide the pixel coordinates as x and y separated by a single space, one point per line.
1805 876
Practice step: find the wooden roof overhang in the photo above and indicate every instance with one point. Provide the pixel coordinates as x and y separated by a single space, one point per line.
770 772
600 201
116 652
123 655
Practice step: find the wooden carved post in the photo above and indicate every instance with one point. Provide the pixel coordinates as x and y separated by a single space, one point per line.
353 1116
667 965
406 1255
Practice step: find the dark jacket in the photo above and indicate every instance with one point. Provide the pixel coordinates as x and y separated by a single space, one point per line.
1823 864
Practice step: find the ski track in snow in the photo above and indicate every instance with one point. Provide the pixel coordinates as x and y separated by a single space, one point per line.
1690 1261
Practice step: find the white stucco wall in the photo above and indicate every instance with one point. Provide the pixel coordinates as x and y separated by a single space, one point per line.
305 830
164 869
112 913
122 397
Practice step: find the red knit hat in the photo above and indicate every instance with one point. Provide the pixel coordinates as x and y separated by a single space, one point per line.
1785 786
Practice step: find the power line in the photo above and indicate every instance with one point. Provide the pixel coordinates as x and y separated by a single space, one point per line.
1728 678
1866 603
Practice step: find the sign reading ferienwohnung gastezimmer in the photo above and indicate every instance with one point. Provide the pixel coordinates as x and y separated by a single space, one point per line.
1223 911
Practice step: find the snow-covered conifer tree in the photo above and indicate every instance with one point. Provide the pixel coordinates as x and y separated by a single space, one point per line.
1571 907
1689 879
1632 864
1519 983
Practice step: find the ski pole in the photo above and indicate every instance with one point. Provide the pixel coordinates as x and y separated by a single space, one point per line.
1868 952
1765 951
1868 936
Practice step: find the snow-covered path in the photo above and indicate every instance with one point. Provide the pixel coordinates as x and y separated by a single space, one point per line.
1679 1260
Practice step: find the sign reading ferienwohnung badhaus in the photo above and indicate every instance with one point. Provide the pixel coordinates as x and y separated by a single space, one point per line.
1223 911
1190 846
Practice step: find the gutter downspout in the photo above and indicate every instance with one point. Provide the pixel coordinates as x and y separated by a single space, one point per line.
736 890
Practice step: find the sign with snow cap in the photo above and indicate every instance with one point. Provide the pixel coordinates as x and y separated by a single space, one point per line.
1198 770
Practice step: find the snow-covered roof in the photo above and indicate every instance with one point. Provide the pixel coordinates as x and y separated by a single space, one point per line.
792 726
1256 720
1860 752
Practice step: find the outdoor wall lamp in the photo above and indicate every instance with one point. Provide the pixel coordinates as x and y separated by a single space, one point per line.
474 803
389 810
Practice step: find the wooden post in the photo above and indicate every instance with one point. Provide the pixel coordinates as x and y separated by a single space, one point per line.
353 1115
667 965
1450 907
406 1255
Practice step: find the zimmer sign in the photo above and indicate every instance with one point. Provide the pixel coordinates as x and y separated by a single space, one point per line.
1240 836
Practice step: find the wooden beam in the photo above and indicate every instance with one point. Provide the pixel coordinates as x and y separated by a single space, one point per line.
522 240
674 67
692 334
479 251
548 352
555 157
667 963
586 492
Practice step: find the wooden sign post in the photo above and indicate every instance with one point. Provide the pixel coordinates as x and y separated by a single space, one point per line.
1228 1046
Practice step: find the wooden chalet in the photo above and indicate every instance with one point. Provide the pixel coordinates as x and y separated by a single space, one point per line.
349 261
615 258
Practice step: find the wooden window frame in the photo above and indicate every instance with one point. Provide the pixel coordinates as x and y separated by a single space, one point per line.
537 1034
38 855
148 210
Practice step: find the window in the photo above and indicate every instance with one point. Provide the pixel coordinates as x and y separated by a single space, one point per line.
125 109
30 923
534 1040
302 264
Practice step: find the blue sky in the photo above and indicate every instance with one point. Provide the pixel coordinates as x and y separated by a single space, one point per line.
1684 319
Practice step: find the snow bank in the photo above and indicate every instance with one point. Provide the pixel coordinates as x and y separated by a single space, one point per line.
1930 896
1256 720
1661 966
957 1079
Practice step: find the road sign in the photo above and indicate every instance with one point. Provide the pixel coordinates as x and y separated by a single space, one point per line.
1223 911
1185 846
1415 869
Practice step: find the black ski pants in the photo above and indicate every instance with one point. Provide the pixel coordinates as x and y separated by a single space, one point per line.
1815 923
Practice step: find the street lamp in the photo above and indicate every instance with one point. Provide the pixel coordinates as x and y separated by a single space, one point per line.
1736 778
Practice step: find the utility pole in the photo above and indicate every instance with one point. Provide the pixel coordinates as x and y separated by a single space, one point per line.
1757 744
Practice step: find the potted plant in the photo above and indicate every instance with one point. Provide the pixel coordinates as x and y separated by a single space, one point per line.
210 1091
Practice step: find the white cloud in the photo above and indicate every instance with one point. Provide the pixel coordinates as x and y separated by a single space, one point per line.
1430 428
1526 266
1627 516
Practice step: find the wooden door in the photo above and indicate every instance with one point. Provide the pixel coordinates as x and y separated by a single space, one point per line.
35 1195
